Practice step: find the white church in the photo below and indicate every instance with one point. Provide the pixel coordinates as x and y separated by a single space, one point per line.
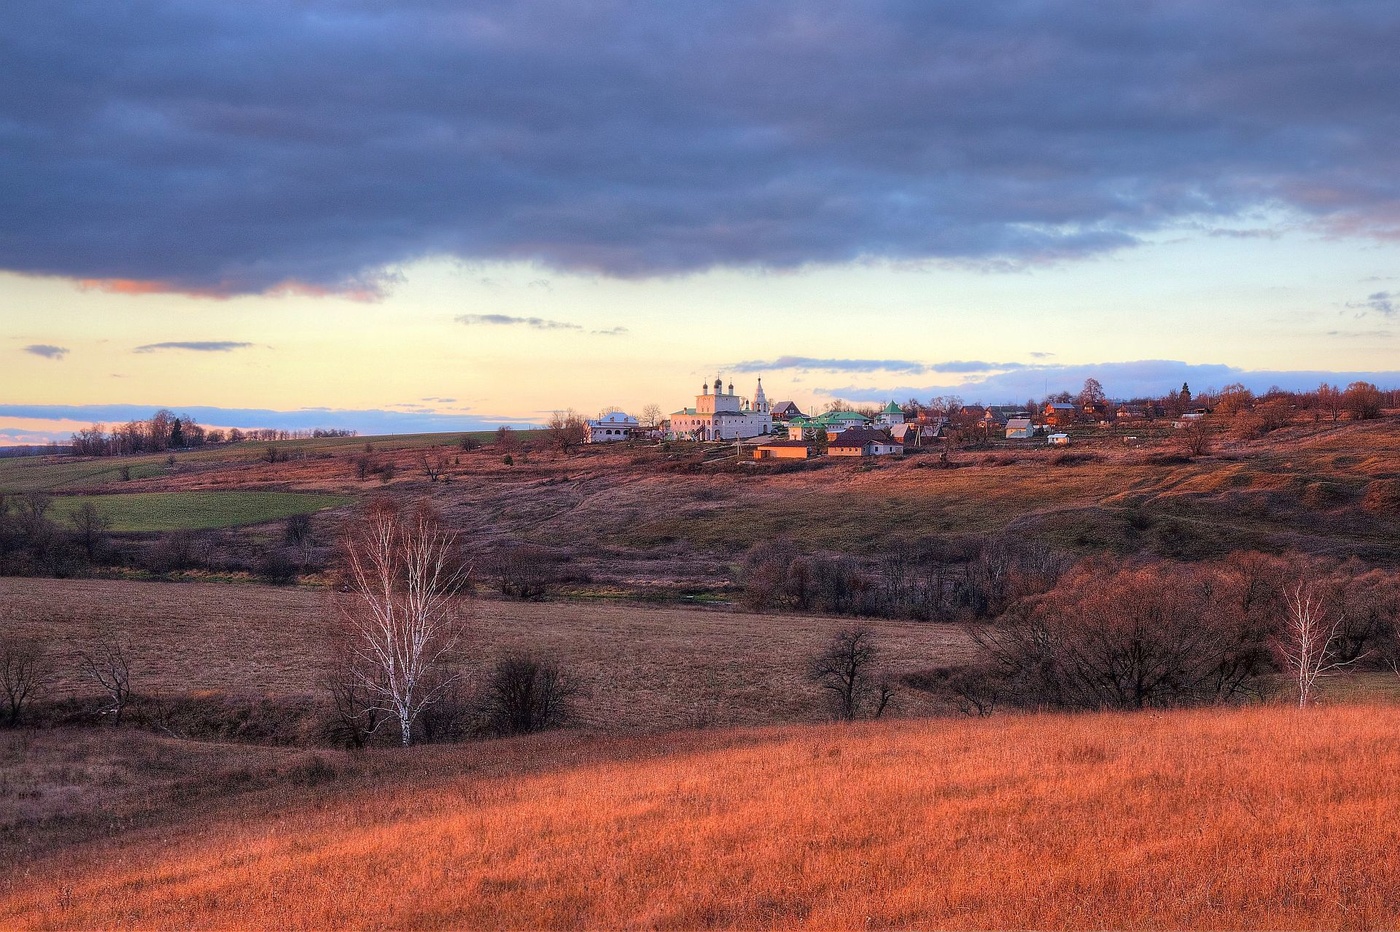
723 415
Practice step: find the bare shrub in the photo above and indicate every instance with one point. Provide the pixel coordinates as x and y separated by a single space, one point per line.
523 571
1362 401
1150 636
566 431
765 575
525 695
1196 438
107 662
355 713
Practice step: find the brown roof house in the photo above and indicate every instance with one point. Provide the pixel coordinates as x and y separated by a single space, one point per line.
862 441
1060 413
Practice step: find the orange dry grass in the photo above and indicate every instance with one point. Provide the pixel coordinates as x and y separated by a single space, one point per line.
1245 818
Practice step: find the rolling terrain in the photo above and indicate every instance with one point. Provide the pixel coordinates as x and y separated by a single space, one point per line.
1253 818
637 668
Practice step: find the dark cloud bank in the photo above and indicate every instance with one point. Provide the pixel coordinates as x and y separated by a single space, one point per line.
244 147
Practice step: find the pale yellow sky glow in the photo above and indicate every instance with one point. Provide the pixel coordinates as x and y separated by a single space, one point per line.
1295 302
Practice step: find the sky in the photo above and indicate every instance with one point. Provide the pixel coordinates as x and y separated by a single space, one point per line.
435 215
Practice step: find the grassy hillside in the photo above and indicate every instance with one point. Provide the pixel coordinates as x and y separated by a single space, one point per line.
1207 819
196 511
637 668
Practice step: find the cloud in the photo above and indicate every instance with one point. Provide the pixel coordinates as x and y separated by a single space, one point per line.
196 346
504 320
1139 378
973 366
808 363
610 332
805 363
1382 302
47 350
223 149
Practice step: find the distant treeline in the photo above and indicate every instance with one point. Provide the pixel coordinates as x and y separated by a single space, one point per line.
165 431
49 449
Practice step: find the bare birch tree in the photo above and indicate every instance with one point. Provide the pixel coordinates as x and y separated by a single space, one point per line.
403 615
1308 642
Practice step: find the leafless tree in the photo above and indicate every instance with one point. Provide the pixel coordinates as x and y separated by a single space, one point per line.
1363 401
90 530
843 668
108 663
298 533
1308 641
23 675
1329 401
434 464
1195 438
651 415
523 571
356 715
506 439
403 616
566 430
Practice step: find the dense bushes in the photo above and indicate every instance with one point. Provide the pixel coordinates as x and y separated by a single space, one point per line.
933 579
1158 634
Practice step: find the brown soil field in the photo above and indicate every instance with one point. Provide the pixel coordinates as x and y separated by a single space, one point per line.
1210 819
637 668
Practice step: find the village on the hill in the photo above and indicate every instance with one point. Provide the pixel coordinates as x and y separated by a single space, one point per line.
780 430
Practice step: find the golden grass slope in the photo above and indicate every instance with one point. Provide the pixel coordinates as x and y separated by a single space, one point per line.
1204 819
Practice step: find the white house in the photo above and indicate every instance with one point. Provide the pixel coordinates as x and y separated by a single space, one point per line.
862 441
1020 428
613 426
890 415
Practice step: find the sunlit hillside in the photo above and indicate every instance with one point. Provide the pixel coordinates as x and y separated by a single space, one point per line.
1262 817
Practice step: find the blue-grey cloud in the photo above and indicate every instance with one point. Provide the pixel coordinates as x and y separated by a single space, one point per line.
372 421
1141 378
1382 302
225 148
47 350
809 363
805 363
505 320
973 365
610 332
194 346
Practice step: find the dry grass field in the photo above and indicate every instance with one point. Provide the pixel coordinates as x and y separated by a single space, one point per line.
1218 819
631 516
638 668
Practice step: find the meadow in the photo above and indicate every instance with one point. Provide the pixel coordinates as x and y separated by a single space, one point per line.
699 780
1220 819
637 668
196 511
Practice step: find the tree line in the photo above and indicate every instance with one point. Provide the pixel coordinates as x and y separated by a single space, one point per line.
164 430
